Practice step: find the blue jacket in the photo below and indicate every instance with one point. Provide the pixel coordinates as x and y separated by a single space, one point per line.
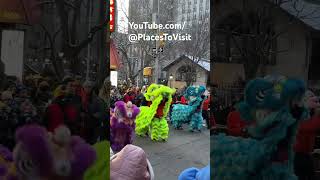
195 174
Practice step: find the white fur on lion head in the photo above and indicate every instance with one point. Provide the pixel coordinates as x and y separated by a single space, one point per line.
62 135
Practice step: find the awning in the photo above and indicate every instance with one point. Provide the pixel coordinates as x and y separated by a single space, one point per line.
115 61
19 11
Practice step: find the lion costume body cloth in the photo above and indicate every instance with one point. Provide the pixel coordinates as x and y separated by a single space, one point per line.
191 113
273 104
152 118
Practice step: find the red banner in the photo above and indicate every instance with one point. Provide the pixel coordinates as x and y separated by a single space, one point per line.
112 15
115 61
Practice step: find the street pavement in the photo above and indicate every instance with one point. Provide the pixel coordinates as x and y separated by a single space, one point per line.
183 149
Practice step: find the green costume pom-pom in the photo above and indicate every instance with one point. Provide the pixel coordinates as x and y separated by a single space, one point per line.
100 169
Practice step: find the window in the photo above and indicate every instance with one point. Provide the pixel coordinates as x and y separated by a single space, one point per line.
229 46
185 73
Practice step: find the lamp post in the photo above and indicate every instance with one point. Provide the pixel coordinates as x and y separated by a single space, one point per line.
170 79
60 54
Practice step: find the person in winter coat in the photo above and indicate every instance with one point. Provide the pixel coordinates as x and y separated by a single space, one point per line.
139 98
96 114
205 111
305 139
65 109
129 96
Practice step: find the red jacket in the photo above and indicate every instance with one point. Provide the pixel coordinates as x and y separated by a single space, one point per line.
235 124
159 113
306 135
206 104
56 115
183 100
128 98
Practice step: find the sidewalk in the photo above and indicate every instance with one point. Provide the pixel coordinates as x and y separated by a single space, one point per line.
183 150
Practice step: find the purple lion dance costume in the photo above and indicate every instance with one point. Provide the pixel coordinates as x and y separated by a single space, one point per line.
122 124
39 155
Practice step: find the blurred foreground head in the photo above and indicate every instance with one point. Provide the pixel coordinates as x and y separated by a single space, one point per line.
130 164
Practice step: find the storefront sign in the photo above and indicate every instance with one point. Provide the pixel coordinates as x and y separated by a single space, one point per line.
10 16
112 15
19 12
12 46
114 78
114 57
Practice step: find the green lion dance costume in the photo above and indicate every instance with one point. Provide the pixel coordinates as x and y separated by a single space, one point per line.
152 118
100 169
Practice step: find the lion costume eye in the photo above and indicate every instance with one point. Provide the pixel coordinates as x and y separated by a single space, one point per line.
278 88
260 96
26 167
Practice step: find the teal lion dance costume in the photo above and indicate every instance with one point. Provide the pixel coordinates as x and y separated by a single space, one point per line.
191 113
152 118
273 104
